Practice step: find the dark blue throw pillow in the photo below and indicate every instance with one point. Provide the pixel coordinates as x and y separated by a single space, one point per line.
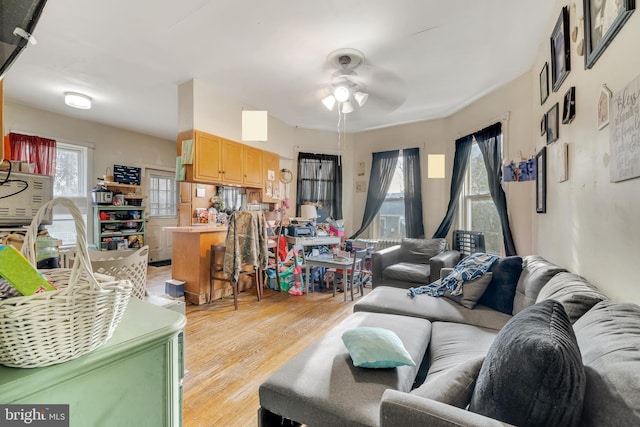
502 289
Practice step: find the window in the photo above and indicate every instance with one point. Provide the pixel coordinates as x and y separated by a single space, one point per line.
479 212
70 181
162 195
320 182
391 217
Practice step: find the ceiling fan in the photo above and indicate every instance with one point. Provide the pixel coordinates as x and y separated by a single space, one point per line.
353 82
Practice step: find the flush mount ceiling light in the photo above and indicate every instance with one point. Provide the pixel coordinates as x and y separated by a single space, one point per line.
77 100
345 87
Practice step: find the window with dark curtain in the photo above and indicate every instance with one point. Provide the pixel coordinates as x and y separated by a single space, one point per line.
320 182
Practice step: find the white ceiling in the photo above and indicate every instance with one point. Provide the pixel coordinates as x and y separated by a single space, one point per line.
424 58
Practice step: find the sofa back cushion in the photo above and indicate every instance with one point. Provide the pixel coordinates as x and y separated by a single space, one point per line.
573 292
532 374
502 288
536 272
609 339
420 251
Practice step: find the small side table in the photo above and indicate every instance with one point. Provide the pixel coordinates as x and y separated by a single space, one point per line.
326 261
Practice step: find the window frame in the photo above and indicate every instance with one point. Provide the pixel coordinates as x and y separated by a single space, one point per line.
174 204
376 223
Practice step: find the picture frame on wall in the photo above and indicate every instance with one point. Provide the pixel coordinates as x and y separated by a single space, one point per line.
543 125
541 181
604 105
552 123
569 106
544 83
603 19
560 50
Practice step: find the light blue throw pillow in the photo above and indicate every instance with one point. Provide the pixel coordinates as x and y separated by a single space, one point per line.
372 347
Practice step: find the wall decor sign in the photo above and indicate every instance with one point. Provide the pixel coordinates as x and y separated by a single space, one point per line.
603 19
541 181
552 123
604 103
624 128
544 83
569 106
563 162
560 50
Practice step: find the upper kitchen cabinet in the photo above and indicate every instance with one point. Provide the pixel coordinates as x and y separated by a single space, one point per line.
206 166
270 175
221 161
252 162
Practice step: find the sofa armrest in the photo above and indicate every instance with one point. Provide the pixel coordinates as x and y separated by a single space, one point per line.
382 259
407 410
446 259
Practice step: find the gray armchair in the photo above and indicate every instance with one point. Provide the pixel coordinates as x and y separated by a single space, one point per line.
415 262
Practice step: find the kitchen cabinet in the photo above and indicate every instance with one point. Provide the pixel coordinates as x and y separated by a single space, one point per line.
252 164
135 379
271 187
218 160
119 227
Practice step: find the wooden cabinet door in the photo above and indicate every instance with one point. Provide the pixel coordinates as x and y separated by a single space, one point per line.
185 215
270 162
185 192
232 162
206 158
252 167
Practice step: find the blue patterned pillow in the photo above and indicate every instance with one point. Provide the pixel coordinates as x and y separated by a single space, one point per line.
372 347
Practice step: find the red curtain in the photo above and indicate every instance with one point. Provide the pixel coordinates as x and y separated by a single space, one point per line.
34 149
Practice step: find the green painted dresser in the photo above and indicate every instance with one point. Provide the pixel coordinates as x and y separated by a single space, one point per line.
135 379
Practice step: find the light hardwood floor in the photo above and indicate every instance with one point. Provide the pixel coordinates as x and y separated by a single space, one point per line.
230 353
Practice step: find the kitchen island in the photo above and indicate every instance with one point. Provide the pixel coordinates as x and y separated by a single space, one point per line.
190 259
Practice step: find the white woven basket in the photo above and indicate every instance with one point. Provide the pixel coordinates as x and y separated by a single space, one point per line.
57 326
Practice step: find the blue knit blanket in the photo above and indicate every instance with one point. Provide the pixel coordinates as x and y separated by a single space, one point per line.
473 266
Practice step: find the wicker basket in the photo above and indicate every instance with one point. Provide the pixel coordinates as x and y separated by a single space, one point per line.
57 326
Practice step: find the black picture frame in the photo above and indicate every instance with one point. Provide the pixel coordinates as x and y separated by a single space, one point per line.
560 50
541 181
544 83
569 106
603 19
552 123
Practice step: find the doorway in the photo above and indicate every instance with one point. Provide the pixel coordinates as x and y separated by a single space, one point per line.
162 212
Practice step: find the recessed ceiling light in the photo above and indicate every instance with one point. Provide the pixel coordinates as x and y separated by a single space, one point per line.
77 100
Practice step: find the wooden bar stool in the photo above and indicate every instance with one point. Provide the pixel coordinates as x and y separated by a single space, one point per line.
217 274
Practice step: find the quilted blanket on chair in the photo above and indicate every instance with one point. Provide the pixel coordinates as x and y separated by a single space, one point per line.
246 242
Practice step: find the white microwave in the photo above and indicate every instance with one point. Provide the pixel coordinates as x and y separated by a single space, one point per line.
21 195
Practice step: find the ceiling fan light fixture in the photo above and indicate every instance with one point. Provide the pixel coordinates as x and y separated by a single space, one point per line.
329 102
77 100
361 97
341 93
346 107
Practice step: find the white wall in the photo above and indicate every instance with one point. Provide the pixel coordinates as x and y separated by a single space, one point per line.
591 226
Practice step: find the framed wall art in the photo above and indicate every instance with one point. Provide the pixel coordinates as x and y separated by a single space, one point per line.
541 181
603 19
544 83
560 50
543 125
569 106
604 102
552 123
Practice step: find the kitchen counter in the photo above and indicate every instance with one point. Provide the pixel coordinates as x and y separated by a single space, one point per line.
190 259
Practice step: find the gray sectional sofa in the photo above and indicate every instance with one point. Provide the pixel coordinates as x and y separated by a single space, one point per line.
585 348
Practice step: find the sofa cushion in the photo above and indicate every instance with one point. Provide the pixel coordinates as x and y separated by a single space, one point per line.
407 272
533 373
321 387
501 291
419 251
609 339
472 290
374 347
454 386
573 292
386 299
536 272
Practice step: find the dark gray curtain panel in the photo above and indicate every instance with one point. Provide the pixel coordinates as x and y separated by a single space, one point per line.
413 193
383 166
489 141
320 181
